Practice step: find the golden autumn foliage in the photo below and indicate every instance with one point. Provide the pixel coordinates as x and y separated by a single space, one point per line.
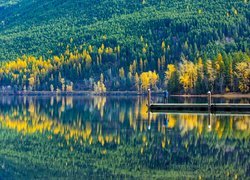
220 74
211 72
188 75
31 71
31 121
137 82
163 46
149 79
243 74
100 86
121 73
145 81
200 68
27 67
169 73
36 123
219 63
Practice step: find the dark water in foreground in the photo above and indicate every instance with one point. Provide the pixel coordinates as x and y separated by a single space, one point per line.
115 137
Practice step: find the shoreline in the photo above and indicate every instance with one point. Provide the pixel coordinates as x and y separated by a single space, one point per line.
119 93
73 93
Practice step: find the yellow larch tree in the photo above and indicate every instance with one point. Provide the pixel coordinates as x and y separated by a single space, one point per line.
121 73
211 73
145 81
243 74
169 73
188 75
137 82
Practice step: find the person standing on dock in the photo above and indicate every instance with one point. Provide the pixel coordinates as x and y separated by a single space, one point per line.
166 96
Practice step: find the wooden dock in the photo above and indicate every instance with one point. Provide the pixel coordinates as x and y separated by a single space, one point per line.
198 107
245 108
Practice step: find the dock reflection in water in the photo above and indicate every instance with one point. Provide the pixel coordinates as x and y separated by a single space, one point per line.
116 137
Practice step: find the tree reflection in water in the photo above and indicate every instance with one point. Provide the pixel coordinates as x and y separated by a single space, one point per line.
116 136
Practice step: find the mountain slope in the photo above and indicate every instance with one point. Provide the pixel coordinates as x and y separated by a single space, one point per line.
79 40
35 27
7 3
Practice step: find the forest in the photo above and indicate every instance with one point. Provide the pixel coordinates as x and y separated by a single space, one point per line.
74 71
186 47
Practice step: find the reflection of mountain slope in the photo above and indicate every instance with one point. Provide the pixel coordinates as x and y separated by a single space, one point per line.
172 144
30 118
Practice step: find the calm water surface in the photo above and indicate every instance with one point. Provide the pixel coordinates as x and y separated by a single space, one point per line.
105 137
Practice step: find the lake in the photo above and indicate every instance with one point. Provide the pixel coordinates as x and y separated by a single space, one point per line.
115 137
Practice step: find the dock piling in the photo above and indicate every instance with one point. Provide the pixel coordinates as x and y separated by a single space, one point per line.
209 97
149 97
209 120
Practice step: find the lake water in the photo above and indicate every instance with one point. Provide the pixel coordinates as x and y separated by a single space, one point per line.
115 137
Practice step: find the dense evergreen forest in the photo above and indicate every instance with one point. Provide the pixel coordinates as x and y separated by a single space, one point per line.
186 46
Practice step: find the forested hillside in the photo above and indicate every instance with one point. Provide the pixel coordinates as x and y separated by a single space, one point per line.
6 3
126 45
